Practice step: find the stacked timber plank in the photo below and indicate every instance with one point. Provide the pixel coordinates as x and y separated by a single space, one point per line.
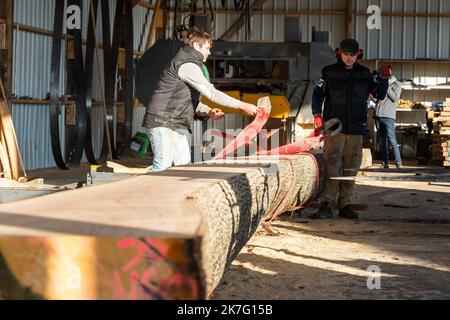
446 153
441 133
10 159
167 235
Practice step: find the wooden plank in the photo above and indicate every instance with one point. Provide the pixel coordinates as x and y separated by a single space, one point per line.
6 55
146 5
2 36
9 142
31 101
151 32
118 168
441 118
9 133
440 137
349 19
2 141
49 33
6 167
70 49
70 113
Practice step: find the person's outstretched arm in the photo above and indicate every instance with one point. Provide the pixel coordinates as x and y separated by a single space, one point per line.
193 75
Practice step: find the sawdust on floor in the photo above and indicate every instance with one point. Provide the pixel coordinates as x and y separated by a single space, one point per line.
405 233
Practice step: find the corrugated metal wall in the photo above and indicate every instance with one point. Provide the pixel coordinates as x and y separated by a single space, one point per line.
33 134
406 37
31 77
400 37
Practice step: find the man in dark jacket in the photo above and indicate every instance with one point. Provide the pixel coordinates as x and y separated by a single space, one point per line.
345 86
175 101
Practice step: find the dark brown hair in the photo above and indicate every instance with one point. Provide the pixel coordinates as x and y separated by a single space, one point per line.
192 35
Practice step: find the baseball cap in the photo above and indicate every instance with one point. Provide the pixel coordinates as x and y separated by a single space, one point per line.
349 45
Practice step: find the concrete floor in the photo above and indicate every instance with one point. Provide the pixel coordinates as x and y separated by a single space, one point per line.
405 233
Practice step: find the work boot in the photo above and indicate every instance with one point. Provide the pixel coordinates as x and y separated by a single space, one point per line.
348 213
323 213
385 165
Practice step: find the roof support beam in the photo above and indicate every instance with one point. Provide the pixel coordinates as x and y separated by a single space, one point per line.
237 25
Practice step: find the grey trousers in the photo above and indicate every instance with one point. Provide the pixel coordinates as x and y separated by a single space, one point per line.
342 157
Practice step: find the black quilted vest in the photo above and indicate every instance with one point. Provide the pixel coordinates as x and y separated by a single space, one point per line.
173 101
347 92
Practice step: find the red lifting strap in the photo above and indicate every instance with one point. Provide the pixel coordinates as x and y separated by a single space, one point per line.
246 135
252 130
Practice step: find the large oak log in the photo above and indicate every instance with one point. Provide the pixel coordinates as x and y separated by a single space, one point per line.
169 235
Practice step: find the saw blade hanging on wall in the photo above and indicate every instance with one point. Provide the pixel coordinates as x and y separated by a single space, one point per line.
75 131
78 105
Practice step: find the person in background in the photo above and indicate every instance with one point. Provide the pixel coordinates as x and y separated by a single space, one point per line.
385 115
343 90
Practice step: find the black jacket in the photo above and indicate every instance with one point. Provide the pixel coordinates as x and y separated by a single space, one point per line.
173 101
346 92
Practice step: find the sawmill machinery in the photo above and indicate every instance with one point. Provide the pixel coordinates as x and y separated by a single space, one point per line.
287 72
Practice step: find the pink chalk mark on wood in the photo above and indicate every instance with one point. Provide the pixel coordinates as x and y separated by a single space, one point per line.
143 249
157 251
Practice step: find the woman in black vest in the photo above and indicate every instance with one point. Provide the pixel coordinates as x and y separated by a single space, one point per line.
343 90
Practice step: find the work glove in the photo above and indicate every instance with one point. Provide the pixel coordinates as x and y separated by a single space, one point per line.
318 121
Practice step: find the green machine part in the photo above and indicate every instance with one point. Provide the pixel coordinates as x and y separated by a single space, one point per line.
139 144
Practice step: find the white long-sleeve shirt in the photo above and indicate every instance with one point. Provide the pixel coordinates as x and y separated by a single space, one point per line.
193 75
